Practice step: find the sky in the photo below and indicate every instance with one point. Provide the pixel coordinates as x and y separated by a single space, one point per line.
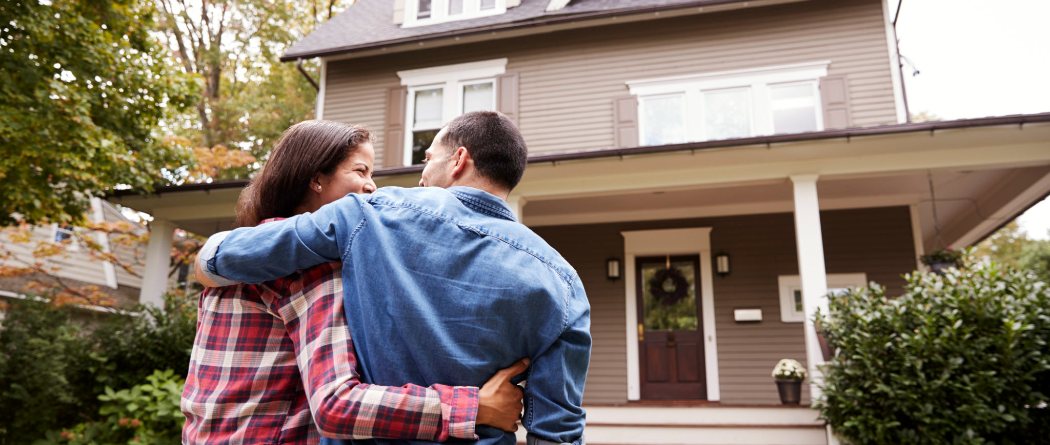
979 58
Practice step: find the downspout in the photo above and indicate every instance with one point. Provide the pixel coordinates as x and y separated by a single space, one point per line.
900 64
299 66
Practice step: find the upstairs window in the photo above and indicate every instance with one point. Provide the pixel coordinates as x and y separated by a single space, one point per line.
427 12
438 95
728 105
65 235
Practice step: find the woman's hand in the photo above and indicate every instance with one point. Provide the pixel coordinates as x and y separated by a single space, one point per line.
500 400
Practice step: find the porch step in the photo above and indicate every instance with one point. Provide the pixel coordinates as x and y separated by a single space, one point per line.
702 426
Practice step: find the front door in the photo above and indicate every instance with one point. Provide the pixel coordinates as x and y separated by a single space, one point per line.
670 334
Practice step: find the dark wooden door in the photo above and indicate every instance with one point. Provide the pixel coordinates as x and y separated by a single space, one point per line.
670 341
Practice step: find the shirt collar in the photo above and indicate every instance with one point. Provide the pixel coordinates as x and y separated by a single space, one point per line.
483 202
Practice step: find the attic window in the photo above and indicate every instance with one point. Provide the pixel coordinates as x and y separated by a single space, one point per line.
428 12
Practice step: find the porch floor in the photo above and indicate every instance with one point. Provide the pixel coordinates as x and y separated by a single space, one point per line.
703 423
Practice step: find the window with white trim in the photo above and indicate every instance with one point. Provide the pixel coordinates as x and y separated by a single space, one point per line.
438 95
791 308
428 12
65 235
731 104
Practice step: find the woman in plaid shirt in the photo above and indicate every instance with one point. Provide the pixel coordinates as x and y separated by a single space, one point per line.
273 363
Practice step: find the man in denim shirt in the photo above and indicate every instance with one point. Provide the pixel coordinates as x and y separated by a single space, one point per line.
441 283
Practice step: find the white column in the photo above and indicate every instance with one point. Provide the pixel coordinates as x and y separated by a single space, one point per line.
517 205
810 268
158 261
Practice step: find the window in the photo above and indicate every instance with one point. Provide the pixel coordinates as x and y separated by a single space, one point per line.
65 235
427 12
791 309
438 95
727 105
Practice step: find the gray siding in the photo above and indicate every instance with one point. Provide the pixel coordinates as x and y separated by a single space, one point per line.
569 79
873 241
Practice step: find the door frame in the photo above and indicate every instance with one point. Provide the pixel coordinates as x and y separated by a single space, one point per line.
691 241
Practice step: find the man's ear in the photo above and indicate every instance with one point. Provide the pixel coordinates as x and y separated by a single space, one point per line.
460 161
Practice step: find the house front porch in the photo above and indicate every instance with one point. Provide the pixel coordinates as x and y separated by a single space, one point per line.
708 423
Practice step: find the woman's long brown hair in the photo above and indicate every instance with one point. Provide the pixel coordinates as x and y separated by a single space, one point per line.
305 150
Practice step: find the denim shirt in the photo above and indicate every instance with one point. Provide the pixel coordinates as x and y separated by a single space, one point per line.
440 287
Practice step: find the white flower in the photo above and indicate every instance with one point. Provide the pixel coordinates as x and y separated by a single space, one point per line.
789 369
67 76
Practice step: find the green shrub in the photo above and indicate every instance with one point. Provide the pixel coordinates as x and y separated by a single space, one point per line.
52 370
959 358
42 359
146 414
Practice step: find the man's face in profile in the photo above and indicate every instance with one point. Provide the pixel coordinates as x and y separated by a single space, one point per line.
437 168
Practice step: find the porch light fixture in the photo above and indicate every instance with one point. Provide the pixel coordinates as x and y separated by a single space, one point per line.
722 264
612 268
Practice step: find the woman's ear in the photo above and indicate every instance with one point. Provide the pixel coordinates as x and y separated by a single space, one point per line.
316 185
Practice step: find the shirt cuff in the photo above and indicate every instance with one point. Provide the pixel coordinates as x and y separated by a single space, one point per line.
206 260
459 410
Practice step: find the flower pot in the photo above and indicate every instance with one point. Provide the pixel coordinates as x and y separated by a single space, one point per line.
790 391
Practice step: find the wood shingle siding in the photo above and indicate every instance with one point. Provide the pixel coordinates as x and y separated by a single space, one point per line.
569 80
874 241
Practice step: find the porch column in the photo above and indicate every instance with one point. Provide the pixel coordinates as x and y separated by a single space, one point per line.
810 268
517 205
158 261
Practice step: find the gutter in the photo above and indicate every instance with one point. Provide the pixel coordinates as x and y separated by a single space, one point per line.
1018 119
511 26
299 66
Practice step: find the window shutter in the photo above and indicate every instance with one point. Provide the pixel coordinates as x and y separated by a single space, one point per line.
626 121
834 99
507 99
394 137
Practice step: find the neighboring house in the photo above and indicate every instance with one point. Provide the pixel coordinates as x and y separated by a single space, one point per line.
668 137
76 265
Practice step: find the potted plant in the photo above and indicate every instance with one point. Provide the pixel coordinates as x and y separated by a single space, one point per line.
941 260
789 375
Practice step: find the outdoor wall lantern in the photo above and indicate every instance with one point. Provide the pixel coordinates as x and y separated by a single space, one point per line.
722 264
612 268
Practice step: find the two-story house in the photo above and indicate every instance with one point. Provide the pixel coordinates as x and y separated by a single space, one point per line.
711 168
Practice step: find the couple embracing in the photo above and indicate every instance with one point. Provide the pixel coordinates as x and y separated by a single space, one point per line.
342 312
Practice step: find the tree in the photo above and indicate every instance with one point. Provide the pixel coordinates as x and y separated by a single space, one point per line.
1012 247
83 89
248 98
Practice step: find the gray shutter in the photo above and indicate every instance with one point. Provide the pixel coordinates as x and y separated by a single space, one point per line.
507 95
625 114
394 137
834 99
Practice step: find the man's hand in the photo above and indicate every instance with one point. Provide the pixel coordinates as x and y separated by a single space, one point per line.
501 401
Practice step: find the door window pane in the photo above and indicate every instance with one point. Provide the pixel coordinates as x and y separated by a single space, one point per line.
455 7
478 97
428 107
794 107
669 296
488 4
664 120
424 9
727 113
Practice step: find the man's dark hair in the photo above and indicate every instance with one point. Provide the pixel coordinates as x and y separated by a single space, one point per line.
494 143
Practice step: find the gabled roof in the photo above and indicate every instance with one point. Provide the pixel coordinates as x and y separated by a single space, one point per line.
369 24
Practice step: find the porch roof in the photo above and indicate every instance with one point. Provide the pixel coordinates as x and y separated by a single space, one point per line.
863 165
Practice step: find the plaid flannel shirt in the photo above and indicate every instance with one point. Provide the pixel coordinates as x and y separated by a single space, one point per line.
268 356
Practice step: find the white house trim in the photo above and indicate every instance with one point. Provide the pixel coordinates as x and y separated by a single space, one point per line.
670 242
895 69
790 283
731 78
319 110
103 240
811 268
916 235
452 73
556 5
